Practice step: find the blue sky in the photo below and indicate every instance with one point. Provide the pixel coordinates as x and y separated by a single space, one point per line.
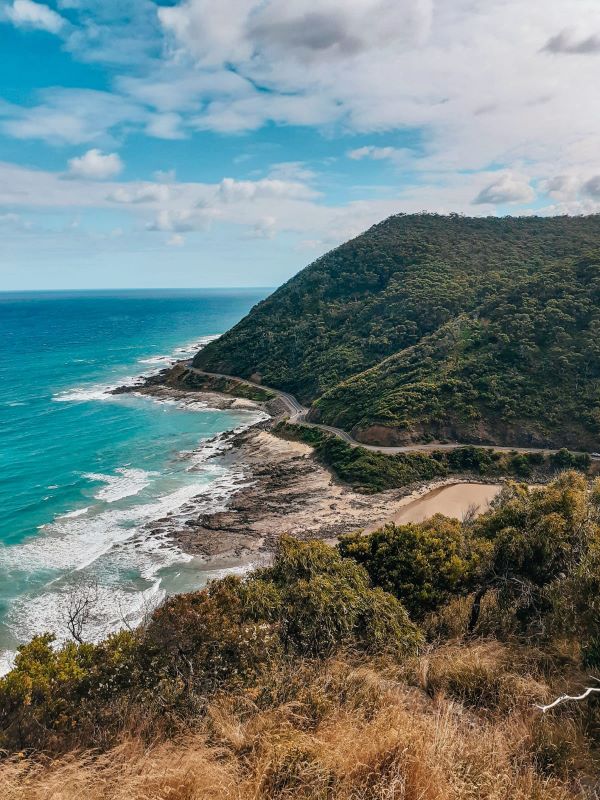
231 142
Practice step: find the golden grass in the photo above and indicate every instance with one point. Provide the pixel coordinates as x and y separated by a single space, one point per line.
338 730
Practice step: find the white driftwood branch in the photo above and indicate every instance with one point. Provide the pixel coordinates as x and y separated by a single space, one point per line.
563 698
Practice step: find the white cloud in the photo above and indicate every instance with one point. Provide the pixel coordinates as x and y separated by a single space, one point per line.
370 151
396 155
265 228
70 116
165 176
9 219
383 65
211 30
27 14
165 126
592 187
144 193
290 171
14 222
232 191
95 165
508 188
238 30
367 66
176 240
179 220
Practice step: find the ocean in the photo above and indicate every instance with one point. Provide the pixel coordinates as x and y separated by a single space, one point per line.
83 472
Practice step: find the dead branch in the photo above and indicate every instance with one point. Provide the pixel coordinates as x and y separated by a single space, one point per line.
570 697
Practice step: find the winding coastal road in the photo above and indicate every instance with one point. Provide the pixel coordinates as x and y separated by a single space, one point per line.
297 416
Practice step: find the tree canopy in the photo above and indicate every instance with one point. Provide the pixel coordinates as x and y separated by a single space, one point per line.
438 326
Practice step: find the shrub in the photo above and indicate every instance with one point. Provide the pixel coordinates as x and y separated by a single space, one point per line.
541 540
211 638
484 674
423 565
52 693
327 602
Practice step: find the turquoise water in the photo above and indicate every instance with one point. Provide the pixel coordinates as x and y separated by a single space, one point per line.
83 472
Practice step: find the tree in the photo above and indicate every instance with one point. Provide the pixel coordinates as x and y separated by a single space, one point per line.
78 608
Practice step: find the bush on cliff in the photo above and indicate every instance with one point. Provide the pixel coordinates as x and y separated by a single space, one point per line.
303 680
423 565
309 604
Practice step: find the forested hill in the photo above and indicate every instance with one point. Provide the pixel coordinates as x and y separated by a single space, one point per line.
432 326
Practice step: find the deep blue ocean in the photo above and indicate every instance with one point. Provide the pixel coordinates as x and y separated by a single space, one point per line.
82 472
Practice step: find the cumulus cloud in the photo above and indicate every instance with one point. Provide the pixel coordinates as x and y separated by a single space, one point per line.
232 191
567 42
265 228
337 29
181 220
240 29
507 188
146 193
382 65
212 31
95 165
366 66
165 126
370 151
560 186
292 171
176 240
111 32
14 222
27 14
165 175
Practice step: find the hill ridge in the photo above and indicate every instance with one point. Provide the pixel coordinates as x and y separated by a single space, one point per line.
364 307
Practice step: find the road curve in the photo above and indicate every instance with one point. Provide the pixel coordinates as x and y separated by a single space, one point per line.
297 416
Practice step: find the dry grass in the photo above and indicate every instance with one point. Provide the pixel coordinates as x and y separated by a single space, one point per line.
487 675
342 731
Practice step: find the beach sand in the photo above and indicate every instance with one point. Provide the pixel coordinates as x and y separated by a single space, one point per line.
453 500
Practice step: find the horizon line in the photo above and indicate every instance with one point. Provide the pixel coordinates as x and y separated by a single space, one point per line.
138 289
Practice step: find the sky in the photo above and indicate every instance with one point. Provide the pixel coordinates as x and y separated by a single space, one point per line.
207 143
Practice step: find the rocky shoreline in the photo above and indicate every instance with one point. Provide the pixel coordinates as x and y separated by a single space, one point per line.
285 490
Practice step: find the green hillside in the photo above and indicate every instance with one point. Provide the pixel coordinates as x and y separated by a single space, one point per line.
524 368
432 326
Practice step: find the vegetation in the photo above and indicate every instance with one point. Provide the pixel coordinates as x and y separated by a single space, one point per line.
432 326
425 565
524 368
308 604
183 378
372 471
529 554
307 678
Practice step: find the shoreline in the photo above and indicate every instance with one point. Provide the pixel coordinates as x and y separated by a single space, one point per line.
285 490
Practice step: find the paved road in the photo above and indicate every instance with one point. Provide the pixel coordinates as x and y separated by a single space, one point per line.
298 412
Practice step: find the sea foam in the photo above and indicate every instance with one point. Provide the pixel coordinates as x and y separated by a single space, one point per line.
126 483
104 391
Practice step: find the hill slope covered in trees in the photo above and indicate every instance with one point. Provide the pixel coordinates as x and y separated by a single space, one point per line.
426 326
